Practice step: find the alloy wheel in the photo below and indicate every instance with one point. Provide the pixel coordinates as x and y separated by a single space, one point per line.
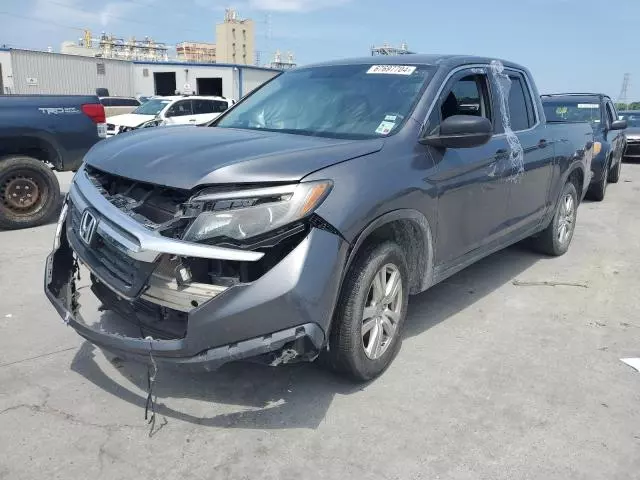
566 219
382 311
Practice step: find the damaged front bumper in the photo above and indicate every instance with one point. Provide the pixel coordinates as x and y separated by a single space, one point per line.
281 316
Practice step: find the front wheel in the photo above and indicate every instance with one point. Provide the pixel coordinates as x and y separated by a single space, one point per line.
367 326
614 173
597 192
556 238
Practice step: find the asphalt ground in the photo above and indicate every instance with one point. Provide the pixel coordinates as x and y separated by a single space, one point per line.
509 370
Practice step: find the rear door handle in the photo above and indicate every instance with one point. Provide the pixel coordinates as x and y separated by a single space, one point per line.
542 143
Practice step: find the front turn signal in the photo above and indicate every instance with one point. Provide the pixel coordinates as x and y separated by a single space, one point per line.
597 148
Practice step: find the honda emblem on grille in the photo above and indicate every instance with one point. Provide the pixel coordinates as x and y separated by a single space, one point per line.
88 225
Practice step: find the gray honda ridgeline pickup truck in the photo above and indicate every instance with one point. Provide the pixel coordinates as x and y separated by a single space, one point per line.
297 224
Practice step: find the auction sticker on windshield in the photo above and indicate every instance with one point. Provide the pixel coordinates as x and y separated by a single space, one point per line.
588 105
385 127
392 69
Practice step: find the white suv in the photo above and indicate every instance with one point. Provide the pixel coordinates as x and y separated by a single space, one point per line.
175 110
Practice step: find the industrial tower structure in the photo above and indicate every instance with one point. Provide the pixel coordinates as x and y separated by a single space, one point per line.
110 46
282 64
623 96
387 49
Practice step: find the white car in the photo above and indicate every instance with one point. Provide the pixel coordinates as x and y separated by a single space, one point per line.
175 110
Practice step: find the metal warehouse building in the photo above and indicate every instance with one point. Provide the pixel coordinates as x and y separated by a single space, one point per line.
27 72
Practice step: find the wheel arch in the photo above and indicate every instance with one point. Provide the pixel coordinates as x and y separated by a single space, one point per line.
32 145
576 175
412 231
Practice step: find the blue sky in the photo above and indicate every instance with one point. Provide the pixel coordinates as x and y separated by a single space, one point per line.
569 45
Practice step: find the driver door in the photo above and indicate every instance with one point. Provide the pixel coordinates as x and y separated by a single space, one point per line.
472 188
180 113
615 137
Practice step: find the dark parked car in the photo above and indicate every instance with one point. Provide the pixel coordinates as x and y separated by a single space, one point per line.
600 112
119 105
632 133
301 220
39 134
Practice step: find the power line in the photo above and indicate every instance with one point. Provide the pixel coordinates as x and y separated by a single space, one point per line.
40 20
116 17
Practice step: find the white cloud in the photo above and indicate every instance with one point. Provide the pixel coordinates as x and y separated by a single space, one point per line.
76 13
271 5
114 11
294 5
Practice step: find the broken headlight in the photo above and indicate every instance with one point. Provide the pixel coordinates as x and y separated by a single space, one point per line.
243 214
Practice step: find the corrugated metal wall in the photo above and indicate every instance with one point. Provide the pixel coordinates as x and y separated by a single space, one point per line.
49 73
252 79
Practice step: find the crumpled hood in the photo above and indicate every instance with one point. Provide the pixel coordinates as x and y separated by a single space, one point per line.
129 119
186 157
632 132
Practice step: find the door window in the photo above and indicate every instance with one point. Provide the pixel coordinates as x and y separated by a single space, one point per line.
611 113
520 114
180 109
219 106
468 95
202 106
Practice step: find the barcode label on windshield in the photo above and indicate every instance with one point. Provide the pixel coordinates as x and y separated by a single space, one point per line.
392 69
588 105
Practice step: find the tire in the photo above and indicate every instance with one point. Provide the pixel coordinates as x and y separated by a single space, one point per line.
20 176
598 191
614 173
353 349
550 241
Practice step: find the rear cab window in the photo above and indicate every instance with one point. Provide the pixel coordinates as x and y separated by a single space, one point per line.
573 108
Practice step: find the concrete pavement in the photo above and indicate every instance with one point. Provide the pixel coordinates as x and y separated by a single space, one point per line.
494 380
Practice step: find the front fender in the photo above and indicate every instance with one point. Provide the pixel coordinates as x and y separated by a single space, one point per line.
421 247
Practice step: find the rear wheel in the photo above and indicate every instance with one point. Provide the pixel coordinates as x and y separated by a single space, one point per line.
556 238
367 327
614 173
29 192
597 192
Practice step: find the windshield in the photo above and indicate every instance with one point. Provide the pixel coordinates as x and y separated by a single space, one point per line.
632 118
342 101
559 110
152 107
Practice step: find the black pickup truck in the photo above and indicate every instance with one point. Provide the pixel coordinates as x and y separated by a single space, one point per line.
299 222
40 134
599 111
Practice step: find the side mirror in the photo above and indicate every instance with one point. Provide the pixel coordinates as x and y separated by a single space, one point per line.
461 131
618 125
